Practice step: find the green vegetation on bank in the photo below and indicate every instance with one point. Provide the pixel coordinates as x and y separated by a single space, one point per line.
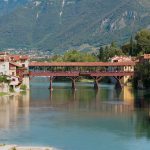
3 79
142 75
3 93
23 87
86 80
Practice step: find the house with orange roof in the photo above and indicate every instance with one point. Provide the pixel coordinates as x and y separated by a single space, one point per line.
15 67
124 59
144 58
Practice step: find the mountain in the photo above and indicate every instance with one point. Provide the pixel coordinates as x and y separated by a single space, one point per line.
7 6
58 25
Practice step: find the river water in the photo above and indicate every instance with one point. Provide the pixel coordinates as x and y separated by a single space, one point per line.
84 119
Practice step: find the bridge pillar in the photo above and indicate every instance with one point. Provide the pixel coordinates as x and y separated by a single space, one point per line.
51 83
118 83
96 81
96 84
73 82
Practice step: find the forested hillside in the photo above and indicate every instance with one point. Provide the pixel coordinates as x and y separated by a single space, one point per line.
58 25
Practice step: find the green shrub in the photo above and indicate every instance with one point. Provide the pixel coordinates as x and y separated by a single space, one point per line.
23 87
3 93
11 89
3 79
14 148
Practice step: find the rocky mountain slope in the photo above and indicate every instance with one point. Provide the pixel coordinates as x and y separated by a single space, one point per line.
58 25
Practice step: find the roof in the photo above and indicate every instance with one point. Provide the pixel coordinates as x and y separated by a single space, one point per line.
146 56
81 64
18 57
4 53
1 58
121 58
4 58
14 64
24 57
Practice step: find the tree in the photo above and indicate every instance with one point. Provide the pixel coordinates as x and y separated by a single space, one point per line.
131 46
143 41
113 44
77 56
88 57
57 58
100 54
72 56
111 51
126 48
142 73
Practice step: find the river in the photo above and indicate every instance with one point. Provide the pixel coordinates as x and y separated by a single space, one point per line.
84 119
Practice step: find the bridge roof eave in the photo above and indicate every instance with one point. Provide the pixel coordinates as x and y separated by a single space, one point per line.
80 64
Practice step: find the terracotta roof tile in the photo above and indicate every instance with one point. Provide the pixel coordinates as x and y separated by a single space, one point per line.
82 64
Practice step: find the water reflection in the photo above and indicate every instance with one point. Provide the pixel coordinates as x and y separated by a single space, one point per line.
87 99
64 117
10 108
142 99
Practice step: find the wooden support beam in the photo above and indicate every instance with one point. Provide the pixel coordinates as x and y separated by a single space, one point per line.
96 81
118 83
51 83
96 85
73 79
73 84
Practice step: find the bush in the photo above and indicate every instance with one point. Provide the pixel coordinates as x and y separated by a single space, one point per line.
3 79
11 89
23 87
3 93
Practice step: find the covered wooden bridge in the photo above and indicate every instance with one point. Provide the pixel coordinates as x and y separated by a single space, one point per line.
74 70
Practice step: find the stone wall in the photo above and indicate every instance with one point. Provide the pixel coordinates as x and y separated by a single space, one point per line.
26 82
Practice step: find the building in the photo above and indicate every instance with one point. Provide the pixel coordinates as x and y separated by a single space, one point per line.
144 58
16 68
125 79
21 60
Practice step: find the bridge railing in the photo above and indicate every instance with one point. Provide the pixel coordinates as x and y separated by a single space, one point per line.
42 71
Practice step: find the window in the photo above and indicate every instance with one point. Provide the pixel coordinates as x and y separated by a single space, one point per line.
23 65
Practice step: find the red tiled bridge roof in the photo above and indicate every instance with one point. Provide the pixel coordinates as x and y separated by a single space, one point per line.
80 64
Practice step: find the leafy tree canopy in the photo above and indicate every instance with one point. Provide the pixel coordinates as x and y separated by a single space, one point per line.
105 53
143 41
138 45
74 56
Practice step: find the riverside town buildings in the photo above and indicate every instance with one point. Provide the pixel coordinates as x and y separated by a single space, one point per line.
15 67
125 79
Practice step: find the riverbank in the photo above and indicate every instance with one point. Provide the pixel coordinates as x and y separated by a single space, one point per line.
86 80
3 94
15 147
